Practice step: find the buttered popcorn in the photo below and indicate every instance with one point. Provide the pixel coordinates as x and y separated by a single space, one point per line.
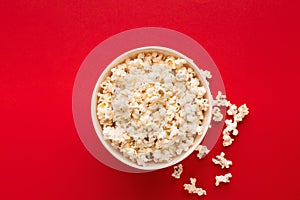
152 107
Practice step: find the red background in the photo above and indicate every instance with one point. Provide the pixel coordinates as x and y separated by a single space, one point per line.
42 45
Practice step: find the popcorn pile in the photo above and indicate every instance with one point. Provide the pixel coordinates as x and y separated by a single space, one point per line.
152 107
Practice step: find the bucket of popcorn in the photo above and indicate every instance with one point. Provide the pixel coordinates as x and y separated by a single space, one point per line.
151 108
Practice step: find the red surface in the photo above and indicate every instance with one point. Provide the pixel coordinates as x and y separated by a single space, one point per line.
254 44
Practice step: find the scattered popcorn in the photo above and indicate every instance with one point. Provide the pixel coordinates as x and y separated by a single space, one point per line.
242 112
238 114
220 100
232 109
221 160
191 188
177 171
217 115
227 140
202 151
223 179
231 128
152 107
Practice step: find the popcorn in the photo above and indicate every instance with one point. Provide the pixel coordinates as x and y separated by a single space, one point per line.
223 179
237 113
227 140
203 103
191 188
180 62
181 74
221 160
199 91
206 74
220 100
202 151
243 111
217 115
232 110
152 107
177 171
230 128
